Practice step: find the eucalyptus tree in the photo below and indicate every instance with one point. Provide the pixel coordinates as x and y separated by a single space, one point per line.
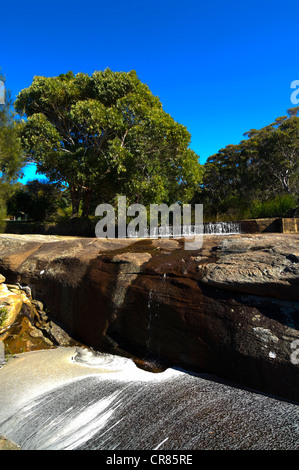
276 158
105 134
264 165
11 156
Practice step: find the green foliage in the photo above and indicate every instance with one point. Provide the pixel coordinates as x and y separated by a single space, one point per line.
37 201
3 315
259 177
11 158
280 206
107 134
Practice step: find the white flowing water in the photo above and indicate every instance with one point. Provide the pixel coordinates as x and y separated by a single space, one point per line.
209 228
222 228
67 399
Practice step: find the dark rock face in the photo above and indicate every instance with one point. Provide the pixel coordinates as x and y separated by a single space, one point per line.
230 308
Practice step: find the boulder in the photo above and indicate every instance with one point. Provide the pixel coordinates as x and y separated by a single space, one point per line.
11 302
267 266
21 319
230 308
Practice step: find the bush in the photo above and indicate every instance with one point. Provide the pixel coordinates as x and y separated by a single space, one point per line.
279 206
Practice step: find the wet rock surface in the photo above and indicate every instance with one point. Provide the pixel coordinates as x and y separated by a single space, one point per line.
65 399
229 308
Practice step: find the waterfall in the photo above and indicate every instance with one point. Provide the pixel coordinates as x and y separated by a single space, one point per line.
208 228
222 228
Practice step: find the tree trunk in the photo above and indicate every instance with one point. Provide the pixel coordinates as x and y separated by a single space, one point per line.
76 198
87 194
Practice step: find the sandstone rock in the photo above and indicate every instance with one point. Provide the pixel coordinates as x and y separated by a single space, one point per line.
36 333
7 444
38 305
2 279
268 266
230 308
20 313
56 335
10 307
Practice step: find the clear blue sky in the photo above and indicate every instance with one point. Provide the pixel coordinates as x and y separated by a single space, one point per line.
219 67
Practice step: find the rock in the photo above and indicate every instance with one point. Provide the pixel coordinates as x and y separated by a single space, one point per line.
2 279
10 306
7 444
25 289
48 341
19 313
230 308
267 266
56 335
38 305
36 333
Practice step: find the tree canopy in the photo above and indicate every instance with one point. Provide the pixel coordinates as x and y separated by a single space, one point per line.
106 134
37 200
11 157
10 144
264 165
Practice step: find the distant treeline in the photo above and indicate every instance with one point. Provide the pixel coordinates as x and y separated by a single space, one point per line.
259 177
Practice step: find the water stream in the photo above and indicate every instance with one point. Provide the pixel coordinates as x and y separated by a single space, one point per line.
68 399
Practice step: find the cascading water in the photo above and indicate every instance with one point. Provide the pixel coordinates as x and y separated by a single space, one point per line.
64 399
209 228
222 228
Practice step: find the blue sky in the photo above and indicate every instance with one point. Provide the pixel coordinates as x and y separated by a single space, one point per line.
220 68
